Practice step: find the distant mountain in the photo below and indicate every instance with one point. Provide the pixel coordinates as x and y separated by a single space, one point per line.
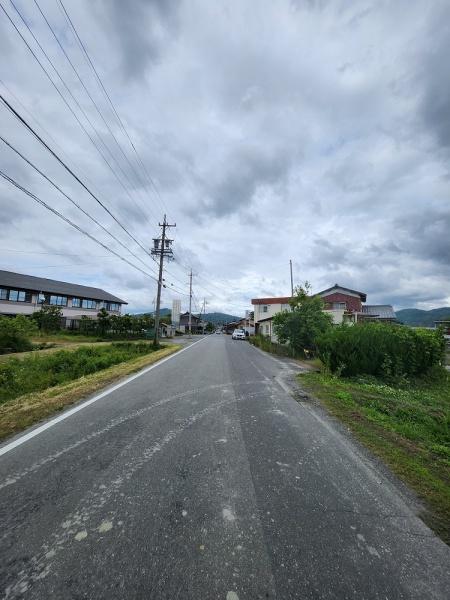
422 318
219 318
164 312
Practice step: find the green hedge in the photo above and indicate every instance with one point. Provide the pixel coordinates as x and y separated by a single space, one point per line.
381 350
36 373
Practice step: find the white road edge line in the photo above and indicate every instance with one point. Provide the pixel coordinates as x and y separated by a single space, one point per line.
28 436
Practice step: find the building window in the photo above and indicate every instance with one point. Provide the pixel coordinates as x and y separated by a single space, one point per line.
339 305
16 296
3 294
58 300
86 303
265 308
113 306
76 302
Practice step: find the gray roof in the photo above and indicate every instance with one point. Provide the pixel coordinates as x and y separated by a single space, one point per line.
382 311
40 284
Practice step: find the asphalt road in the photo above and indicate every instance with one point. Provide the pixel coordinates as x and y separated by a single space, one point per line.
206 479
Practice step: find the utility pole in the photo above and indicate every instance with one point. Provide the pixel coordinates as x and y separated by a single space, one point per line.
162 247
190 303
204 313
292 280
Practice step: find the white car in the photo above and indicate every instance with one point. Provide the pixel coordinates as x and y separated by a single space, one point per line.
238 334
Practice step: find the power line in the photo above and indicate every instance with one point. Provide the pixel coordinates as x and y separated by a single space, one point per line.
41 126
90 97
50 253
73 98
172 287
80 208
78 264
69 170
108 97
71 223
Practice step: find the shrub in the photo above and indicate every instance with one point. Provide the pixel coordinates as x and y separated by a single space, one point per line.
15 333
382 350
49 318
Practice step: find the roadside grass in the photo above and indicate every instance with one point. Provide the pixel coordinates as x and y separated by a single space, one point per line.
64 338
406 425
26 410
50 348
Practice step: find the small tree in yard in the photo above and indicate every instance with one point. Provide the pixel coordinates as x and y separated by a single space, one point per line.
301 326
103 321
48 318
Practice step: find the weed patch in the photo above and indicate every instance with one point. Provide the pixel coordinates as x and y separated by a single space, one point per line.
407 425
38 372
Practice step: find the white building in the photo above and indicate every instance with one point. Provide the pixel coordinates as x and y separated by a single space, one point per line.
265 309
176 311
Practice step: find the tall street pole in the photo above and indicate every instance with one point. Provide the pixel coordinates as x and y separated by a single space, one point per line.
161 248
190 303
292 280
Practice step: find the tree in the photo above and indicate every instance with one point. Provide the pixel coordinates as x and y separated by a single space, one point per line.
302 325
103 321
48 318
210 326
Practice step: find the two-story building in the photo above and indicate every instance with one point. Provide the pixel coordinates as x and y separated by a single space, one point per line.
25 294
348 306
196 323
264 311
343 304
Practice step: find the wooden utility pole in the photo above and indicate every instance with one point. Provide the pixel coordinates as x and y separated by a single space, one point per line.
292 280
162 247
190 303
204 314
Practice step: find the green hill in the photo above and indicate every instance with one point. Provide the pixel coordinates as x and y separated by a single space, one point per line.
422 318
219 318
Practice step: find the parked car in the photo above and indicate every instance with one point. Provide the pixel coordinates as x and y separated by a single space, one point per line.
238 334
218 331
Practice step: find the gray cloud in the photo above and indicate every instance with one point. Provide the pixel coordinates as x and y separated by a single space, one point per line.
249 169
140 30
315 131
435 107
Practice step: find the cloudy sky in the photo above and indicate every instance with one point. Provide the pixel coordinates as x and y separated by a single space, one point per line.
311 130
